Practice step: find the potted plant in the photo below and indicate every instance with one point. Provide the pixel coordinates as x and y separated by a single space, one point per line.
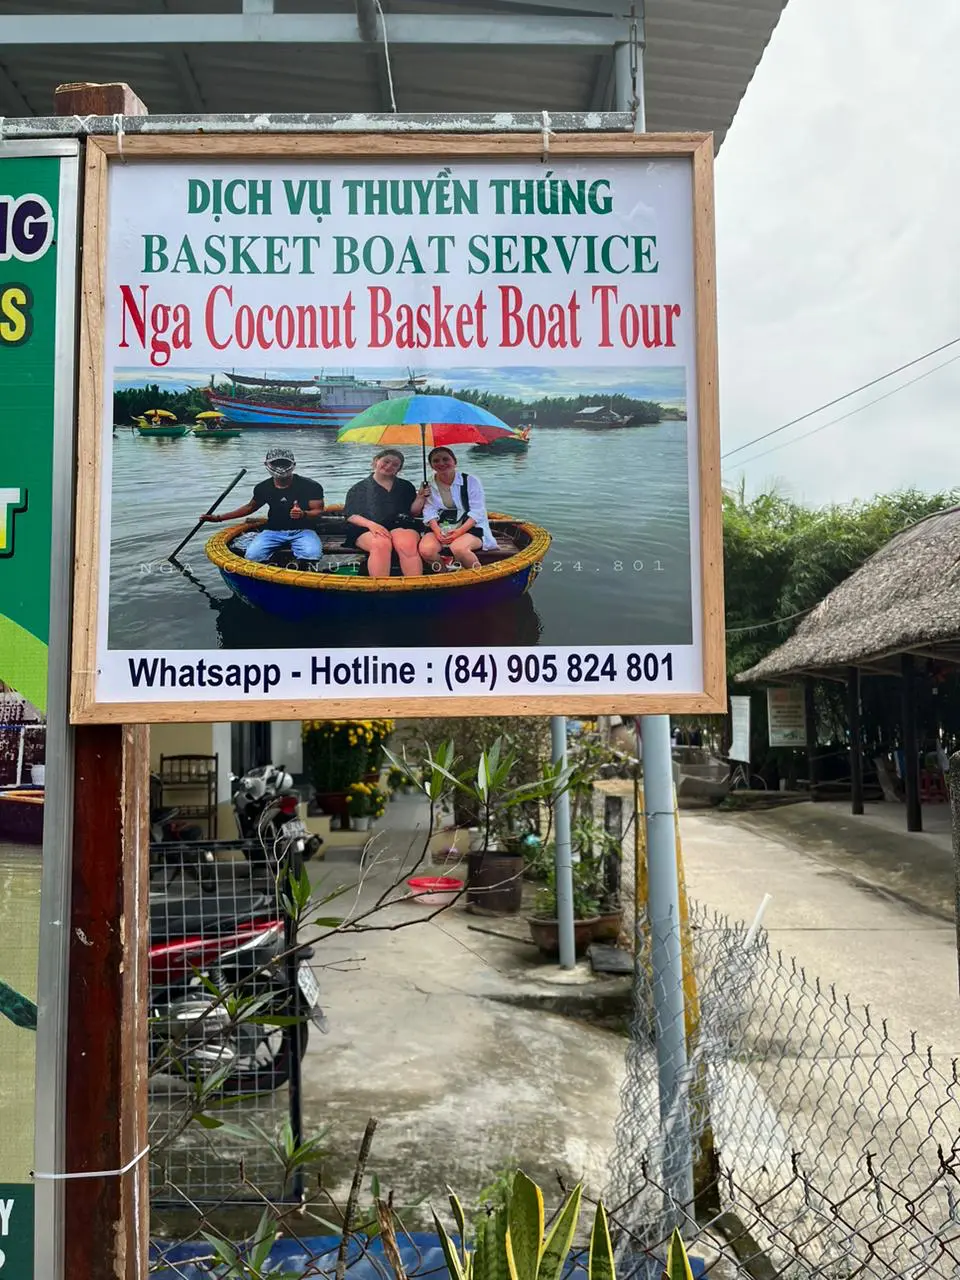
544 924
495 867
336 753
376 733
366 802
396 781
596 911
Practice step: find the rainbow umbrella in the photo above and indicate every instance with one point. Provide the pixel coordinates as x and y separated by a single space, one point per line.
428 421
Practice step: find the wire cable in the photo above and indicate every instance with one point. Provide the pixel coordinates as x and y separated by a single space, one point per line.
843 416
846 396
774 622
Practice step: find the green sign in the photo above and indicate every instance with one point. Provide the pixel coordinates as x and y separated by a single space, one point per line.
29 250
16 1231
29 200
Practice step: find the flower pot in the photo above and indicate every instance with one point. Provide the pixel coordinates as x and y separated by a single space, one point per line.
494 883
546 934
360 822
334 804
608 927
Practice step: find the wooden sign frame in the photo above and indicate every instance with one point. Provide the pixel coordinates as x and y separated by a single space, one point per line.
102 152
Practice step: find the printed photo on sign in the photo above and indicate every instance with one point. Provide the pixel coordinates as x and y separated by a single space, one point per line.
400 429
519 506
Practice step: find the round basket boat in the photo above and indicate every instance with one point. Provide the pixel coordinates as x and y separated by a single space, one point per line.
167 431
296 593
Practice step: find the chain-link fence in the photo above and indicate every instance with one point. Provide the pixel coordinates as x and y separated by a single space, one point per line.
816 1144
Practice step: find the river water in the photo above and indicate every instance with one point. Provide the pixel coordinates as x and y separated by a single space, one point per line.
615 503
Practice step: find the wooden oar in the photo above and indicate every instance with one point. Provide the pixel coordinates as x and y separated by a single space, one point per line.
232 485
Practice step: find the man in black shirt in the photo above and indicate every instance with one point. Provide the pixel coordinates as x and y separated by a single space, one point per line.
291 501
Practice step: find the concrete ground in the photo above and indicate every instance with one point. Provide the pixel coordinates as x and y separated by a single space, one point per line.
425 1036
874 847
860 903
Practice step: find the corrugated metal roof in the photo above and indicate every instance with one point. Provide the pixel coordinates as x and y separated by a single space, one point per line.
700 57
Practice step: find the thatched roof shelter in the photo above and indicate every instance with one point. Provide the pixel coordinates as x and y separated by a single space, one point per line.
905 599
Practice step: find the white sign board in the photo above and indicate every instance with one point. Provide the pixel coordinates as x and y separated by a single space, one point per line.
740 729
787 717
531 346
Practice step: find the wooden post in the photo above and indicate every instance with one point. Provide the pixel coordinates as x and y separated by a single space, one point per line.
953 784
810 710
856 753
911 759
106 1102
97 100
106 1219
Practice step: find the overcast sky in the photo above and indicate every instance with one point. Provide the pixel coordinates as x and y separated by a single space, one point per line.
838 237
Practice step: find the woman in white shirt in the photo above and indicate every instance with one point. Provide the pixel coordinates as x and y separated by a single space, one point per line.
455 514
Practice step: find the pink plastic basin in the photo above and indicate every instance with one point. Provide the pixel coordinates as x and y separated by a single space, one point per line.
435 891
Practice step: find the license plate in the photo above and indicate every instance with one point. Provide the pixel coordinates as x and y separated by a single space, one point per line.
295 827
308 984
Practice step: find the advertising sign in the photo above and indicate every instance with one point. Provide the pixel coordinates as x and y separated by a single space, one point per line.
787 717
740 729
535 345
38 186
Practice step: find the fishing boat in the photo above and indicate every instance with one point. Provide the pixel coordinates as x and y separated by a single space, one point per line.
21 814
336 588
600 417
518 443
324 401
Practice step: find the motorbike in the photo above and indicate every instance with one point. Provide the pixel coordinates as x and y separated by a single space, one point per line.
265 806
201 947
210 937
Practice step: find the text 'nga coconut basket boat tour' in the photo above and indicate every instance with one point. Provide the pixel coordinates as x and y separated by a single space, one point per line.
339 584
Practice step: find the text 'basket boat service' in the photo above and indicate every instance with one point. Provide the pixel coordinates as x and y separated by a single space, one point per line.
297 593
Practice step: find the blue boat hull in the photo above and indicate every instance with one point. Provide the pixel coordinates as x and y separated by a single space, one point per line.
300 604
278 416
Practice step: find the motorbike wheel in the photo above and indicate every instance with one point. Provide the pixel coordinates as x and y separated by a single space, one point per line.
312 847
260 1057
264 1056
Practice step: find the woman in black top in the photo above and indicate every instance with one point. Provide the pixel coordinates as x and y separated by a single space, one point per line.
375 510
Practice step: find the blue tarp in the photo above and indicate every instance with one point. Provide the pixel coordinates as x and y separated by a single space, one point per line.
317 1255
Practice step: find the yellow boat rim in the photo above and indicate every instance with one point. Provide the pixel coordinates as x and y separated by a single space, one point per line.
531 556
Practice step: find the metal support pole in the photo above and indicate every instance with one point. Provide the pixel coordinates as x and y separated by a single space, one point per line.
628 77
666 960
564 857
856 750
